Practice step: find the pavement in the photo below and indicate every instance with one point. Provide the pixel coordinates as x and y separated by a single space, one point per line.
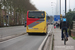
59 44
10 31
24 42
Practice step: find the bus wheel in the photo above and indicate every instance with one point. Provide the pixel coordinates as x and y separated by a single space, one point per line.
45 33
29 33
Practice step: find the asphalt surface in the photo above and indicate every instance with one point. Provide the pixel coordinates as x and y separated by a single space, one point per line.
24 42
9 31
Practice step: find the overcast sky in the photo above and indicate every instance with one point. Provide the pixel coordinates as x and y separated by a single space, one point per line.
46 5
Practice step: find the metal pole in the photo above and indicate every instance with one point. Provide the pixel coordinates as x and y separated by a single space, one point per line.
69 4
60 6
57 8
52 10
65 7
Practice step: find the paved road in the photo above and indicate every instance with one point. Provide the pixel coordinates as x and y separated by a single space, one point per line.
8 31
24 42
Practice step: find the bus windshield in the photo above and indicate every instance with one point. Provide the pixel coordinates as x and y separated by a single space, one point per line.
36 15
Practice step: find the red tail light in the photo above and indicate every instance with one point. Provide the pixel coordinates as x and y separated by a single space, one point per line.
44 28
27 28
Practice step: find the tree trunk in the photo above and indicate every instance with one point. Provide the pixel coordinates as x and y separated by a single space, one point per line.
0 17
5 16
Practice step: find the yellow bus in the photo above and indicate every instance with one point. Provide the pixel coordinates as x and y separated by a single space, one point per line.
36 22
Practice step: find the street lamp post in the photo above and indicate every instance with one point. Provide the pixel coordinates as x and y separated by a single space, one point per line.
65 7
53 5
60 6
52 11
69 4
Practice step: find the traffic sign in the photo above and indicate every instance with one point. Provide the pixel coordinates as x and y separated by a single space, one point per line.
60 15
56 17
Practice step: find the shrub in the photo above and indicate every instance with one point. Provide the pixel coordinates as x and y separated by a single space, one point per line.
70 18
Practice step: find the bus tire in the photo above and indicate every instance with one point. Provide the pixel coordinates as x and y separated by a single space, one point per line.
45 33
29 33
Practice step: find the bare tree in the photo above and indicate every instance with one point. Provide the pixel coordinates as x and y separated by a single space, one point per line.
19 7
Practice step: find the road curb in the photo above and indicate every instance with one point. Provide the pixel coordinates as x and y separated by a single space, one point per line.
10 37
44 41
51 42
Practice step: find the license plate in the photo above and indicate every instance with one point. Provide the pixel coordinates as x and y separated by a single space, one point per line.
36 28
30 28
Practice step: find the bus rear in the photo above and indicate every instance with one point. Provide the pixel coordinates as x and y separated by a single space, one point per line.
36 22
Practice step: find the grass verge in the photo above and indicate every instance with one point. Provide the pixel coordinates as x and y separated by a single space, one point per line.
73 37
